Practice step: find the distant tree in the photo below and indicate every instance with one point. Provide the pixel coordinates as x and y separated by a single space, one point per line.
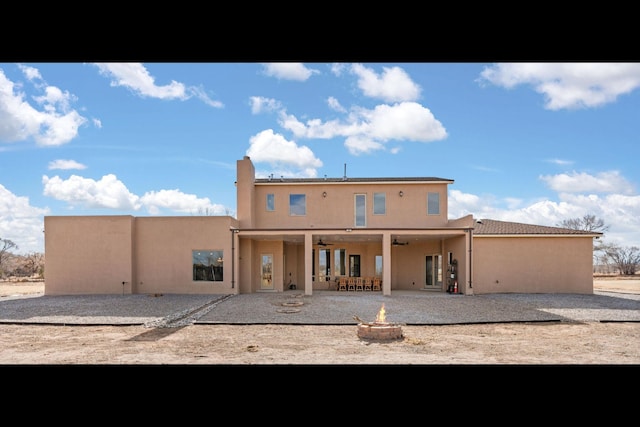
626 259
210 212
586 223
590 222
32 264
205 212
5 246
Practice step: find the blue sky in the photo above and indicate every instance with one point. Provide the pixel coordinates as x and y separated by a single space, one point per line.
535 143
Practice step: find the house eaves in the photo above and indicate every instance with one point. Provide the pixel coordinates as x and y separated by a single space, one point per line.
493 228
307 181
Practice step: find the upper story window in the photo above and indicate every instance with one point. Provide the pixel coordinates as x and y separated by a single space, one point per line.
379 203
271 202
360 210
297 204
433 204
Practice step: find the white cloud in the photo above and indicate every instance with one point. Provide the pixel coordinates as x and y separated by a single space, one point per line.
177 201
108 192
261 104
620 212
560 162
568 85
364 130
405 121
338 68
461 204
31 73
135 77
66 164
359 144
111 193
392 85
21 223
603 182
367 130
202 95
268 147
542 212
316 128
288 71
56 124
334 104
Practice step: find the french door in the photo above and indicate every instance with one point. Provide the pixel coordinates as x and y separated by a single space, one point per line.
266 278
433 269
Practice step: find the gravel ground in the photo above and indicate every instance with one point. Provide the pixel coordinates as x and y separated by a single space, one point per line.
321 308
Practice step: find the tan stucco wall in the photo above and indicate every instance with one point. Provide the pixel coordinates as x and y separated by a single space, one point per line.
95 254
408 268
245 192
336 210
246 271
88 254
163 253
293 265
533 265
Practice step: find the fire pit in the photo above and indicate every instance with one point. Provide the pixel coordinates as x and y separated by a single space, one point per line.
380 329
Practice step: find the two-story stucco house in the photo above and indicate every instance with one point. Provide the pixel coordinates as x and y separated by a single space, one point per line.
314 234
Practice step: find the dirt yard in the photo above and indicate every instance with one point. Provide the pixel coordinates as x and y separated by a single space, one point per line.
534 343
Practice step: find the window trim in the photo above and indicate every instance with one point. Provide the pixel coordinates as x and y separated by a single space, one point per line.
304 204
384 202
355 210
429 194
214 260
270 198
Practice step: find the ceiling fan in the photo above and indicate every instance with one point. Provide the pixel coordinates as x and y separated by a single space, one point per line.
321 243
397 243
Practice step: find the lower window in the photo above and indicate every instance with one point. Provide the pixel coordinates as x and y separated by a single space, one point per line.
207 265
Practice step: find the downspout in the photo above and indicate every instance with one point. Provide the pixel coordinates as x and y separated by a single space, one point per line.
470 257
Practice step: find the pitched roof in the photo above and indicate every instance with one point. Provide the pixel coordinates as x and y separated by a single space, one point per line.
493 227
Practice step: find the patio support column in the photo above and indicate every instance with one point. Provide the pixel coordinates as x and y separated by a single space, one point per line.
308 263
386 263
